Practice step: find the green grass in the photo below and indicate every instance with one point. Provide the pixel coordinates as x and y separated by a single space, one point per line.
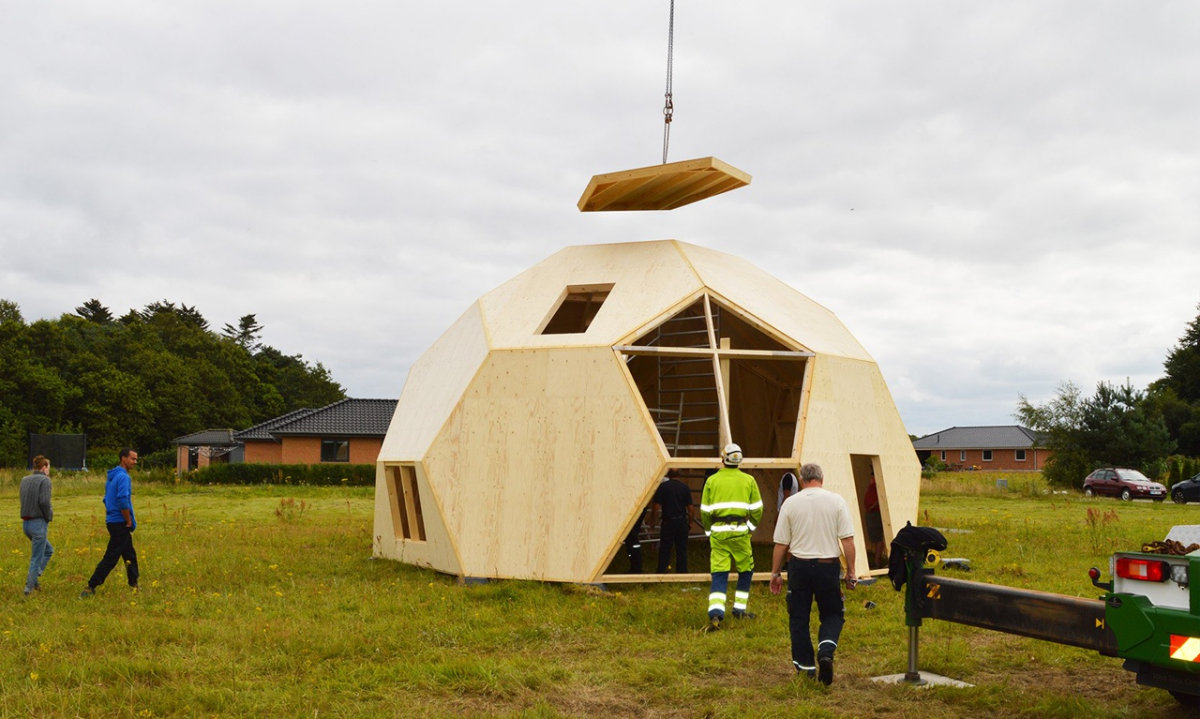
264 601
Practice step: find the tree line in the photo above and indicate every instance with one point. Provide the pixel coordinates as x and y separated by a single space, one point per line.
142 379
1154 430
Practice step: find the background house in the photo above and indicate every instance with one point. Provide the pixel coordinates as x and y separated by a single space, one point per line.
350 431
1008 447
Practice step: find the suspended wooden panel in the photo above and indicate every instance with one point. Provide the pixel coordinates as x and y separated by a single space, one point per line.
661 187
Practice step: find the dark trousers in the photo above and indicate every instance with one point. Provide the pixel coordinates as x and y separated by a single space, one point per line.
120 546
674 533
633 547
809 580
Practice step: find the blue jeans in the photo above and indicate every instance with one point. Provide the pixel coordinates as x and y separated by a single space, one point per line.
36 530
809 580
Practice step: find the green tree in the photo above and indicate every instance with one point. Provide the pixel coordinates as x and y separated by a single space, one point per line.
93 311
153 375
1183 364
1117 426
246 333
1178 393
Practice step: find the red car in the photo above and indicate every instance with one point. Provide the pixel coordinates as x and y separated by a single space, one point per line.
1124 483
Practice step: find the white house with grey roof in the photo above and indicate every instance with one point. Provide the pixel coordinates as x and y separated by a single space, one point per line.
1004 447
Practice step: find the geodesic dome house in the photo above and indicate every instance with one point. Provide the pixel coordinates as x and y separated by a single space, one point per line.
530 436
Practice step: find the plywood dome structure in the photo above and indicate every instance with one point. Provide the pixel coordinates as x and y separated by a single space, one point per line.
530 436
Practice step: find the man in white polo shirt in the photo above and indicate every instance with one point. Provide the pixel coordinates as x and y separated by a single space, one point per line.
814 527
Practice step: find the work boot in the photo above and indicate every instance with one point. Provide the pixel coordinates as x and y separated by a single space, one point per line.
825 670
714 623
88 593
737 614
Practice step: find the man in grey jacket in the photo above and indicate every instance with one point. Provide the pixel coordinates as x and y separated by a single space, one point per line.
37 515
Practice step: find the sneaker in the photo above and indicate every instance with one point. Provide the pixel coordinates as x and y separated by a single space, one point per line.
744 615
825 670
87 593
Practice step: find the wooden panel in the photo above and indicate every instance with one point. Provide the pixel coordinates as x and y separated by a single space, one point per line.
661 187
744 287
543 464
439 550
434 385
647 279
850 411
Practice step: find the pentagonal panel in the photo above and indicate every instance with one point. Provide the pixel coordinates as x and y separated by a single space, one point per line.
775 303
541 464
641 280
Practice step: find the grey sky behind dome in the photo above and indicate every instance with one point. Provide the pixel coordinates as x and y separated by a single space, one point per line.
993 198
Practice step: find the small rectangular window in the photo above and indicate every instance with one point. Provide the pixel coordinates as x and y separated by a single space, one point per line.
335 450
1020 455
405 503
943 455
576 309
962 455
987 455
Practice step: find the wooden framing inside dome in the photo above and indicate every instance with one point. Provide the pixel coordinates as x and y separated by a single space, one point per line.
661 187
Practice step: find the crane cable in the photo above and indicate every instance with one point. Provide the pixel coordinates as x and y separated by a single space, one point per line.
669 106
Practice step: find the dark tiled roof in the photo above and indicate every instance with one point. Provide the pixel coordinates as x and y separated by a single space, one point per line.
262 430
1004 437
347 418
207 438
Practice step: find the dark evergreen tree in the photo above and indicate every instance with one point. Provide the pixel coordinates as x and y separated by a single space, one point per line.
93 311
246 333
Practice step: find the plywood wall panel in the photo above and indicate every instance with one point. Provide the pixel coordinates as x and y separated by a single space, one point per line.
647 277
436 552
850 411
544 461
774 302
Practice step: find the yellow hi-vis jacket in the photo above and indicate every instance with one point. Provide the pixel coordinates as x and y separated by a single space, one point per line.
730 493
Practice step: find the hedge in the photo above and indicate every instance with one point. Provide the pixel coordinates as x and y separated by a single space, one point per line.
329 475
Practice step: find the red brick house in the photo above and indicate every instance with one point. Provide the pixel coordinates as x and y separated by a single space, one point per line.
350 431
1008 448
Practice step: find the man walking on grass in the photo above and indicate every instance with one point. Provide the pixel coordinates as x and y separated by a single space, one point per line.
814 527
118 501
36 515
730 509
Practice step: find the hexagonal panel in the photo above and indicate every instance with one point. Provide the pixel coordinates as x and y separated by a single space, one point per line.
661 187
541 463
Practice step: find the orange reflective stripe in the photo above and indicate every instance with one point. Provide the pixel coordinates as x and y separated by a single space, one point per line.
1185 648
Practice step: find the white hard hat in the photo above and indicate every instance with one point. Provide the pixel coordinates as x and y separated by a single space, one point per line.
732 454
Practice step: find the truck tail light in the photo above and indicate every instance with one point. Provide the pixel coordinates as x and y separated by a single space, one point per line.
1146 570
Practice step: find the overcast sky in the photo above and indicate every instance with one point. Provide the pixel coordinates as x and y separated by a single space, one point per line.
994 198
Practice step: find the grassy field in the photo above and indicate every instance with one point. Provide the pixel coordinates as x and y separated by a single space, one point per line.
265 602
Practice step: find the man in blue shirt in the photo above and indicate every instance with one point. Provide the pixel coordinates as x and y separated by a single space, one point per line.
118 501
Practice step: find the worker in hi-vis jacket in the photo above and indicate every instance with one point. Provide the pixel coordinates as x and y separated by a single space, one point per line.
730 509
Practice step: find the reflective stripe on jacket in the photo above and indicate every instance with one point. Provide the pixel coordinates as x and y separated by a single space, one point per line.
730 502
